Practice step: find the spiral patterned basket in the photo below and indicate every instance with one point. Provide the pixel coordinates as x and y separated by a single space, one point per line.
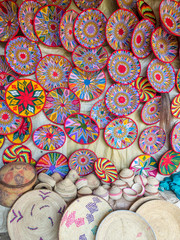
145 11
105 170
175 107
17 153
146 92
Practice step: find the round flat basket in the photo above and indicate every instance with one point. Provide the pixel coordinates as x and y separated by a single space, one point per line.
150 113
141 38
175 106
128 4
123 67
23 133
119 29
82 217
90 60
164 218
27 11
122 100
101 114
53 162
60 103
134 207
36 215
25 97
53 71
175 138
22 55
178 80
87 86
105 170
66 30
9 25
164 45
81 128
144 165
169 12
146 92
152 140
17 153
128 225
64 4
46 25
121 133
82 161
82 5
49 137
169 162
161 76
145 11
89 28
9 122
5 80
4 67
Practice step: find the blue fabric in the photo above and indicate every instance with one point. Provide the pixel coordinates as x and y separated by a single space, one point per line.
171 183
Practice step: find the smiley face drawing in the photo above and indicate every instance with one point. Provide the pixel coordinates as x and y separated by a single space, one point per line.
36 215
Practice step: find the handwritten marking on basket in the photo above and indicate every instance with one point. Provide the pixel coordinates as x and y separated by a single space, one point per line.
83 237
15 216
61 210
52 223
44 197
44 206
30 228
32 209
